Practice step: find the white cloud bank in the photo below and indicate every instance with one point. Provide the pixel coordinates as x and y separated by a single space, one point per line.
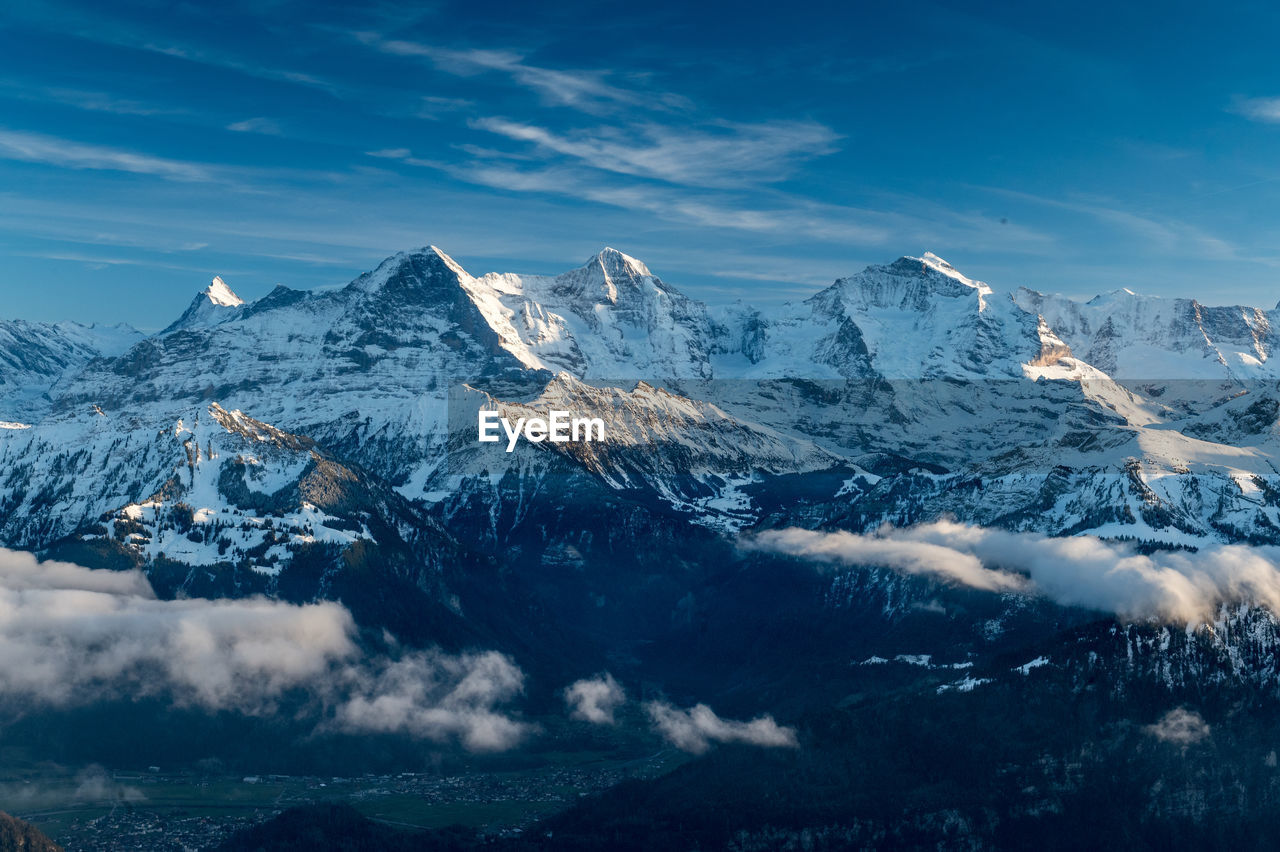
694 730
1075 571
71 636
595 699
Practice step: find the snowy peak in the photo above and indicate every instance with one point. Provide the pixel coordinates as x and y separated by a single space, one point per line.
221 295
420 270
609 318
615 264
214 305
932 266
916 317
609 276
937 264
1122 296
907 284
436 255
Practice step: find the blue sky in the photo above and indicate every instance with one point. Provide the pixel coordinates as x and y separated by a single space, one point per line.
741 150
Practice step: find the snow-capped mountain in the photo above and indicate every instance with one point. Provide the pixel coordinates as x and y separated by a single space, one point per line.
899 393
917 318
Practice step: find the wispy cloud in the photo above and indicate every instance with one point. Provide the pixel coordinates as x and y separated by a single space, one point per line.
1265 110
246 179
99 261
100 25
37 148
722 154
89 100
232 63
589 91
914 222
1163 233
435 106
705 172
391 153
671 203
265 126
284 227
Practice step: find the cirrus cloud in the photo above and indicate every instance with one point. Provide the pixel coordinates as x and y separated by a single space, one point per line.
38 148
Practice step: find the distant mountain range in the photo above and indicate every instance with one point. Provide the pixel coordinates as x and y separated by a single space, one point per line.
896 372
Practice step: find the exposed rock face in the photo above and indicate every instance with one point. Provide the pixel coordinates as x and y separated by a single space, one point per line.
19 836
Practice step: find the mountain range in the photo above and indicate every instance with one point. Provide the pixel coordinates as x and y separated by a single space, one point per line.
1160 414
322 446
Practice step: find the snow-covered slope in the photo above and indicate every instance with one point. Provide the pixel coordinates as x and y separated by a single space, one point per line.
611 318
1135 338
915 318
34 357
688 453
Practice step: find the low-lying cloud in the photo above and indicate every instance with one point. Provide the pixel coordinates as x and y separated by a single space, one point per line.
910 556
1180 726
72 636
696 729
437 696
1074 571
92 783
95 784
595 699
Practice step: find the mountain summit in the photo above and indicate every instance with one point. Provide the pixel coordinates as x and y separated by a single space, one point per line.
220 294
213 305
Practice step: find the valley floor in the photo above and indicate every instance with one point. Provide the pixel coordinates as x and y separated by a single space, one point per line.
132 810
